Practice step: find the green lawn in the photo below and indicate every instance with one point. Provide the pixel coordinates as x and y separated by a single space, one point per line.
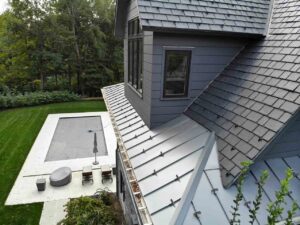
18 130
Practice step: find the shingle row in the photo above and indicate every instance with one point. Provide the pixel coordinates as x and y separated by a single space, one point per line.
254 98
211 15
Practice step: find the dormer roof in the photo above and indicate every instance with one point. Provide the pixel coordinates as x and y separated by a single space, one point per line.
248 17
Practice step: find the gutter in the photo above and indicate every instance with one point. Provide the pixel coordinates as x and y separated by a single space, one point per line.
140 204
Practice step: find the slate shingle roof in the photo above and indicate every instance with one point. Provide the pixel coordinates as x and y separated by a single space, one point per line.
257 95
240 16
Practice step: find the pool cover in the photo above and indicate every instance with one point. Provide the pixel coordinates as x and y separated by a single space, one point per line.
74 138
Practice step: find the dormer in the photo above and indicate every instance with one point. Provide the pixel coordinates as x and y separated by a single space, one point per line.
172 54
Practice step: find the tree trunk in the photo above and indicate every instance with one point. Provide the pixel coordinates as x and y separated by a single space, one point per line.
77 51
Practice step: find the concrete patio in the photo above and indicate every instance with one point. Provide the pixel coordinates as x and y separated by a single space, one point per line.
24 190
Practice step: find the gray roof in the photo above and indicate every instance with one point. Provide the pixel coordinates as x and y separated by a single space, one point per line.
197 193
212 202
162 159
251 102
238 16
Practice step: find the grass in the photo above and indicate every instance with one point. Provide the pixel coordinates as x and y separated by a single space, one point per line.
18 130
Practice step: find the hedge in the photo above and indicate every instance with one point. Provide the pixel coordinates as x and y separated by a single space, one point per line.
36 98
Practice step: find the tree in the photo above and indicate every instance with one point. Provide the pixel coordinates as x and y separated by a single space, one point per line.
64 44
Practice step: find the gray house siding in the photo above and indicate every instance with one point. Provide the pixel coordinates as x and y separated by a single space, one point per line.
288 144
210 56
127 203
142 103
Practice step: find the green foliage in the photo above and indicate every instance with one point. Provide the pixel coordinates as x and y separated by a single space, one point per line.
257 202
275 209
66 44
92 211
291 214
36 85
239 196
36 98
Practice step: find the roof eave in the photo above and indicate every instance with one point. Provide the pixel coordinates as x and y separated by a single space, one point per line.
203 32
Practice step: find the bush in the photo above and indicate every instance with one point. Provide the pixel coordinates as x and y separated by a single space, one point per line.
103 210
36 98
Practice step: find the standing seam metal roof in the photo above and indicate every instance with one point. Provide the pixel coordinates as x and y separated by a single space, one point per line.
162 159
238 16
212 203
257 95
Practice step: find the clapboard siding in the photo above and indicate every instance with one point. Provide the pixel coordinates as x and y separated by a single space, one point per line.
288 144
210 55
142 104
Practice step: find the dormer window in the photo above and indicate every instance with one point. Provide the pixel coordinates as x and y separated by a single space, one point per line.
135 55
176 77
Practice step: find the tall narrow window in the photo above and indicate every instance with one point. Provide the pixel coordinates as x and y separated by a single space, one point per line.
177 69
135 55
122 188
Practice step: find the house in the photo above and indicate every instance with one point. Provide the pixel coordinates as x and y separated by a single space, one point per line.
208 84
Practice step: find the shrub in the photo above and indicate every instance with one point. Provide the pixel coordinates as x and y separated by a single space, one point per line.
275 208
36 85
93 211
36 98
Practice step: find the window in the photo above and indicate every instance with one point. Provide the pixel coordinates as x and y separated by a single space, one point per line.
177 69
135 55
122 186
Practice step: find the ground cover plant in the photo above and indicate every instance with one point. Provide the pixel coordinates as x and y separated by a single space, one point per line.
18 130
36 98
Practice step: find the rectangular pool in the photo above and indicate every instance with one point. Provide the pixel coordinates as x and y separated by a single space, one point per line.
74 138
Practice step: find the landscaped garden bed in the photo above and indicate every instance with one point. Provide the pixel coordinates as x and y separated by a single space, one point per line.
36 98
103 208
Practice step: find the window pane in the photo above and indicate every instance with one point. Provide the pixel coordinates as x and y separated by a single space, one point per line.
141 52
135 54
129 61
176 73
129 28
135 27
135 62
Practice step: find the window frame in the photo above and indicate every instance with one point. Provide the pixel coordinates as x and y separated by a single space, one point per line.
187 81
122 186
135 55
